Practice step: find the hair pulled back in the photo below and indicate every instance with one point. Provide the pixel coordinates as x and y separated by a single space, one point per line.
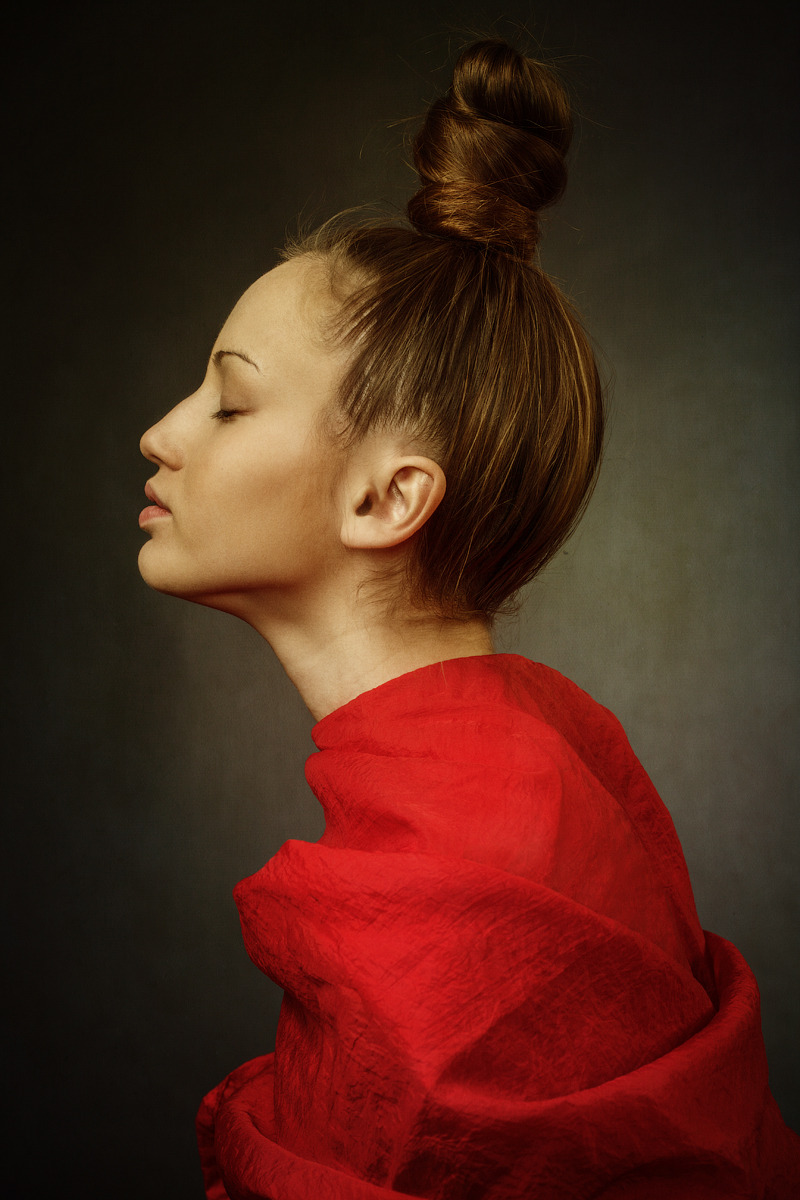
459 338
490 154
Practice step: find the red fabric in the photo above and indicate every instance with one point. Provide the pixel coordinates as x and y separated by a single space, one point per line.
495 981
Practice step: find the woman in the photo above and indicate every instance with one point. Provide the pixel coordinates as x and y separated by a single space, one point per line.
495 981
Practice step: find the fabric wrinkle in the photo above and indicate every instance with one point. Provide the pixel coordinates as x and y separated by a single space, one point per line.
494 973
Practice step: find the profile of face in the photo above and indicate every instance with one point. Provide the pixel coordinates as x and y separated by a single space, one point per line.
243 495
258 509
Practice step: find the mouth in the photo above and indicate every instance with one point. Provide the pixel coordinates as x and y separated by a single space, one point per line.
150 492
155 511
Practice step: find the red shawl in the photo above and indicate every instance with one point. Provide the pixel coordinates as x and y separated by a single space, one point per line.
495 981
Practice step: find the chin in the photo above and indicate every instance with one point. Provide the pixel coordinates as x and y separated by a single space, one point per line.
157 574
170 582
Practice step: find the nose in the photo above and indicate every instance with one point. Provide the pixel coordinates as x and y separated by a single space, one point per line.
159 444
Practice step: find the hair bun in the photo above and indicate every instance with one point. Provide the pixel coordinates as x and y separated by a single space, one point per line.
490 154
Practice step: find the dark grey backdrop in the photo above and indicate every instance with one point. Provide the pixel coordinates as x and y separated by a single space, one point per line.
157 154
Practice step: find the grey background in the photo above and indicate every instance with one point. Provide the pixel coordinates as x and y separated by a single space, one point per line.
155 750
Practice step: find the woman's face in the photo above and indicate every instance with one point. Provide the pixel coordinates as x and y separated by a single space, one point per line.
243 502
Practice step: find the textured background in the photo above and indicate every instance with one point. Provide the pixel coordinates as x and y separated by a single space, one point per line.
157 155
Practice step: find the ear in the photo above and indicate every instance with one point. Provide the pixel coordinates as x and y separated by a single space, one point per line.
393 503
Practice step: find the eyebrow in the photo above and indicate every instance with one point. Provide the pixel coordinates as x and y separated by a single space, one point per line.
218 356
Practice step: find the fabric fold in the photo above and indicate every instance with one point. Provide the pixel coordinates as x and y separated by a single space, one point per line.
495 981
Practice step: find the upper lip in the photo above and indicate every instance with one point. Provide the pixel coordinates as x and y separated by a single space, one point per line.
150 492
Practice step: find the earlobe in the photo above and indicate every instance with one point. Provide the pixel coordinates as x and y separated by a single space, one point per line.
393 503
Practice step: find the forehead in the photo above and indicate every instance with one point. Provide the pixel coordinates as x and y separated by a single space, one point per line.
282 313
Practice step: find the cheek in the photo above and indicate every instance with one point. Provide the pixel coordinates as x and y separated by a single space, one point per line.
287 493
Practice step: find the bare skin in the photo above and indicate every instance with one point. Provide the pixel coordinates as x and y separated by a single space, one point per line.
261 513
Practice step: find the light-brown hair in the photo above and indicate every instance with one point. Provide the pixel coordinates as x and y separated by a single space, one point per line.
461 339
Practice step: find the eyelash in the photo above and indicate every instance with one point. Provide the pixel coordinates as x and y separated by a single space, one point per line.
225 414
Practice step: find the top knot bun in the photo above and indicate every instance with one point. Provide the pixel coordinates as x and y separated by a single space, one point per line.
490 154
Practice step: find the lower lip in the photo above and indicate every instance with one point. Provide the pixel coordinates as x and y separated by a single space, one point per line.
153 513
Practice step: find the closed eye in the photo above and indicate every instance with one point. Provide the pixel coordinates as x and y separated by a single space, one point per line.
225 414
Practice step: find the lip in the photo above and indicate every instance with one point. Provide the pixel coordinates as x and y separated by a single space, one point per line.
154 511
150 492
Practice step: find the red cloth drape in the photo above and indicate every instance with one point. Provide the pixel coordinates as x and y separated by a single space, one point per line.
495 981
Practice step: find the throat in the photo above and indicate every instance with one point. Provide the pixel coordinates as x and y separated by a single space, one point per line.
330 670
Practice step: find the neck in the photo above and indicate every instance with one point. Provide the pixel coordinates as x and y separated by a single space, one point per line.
333 655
